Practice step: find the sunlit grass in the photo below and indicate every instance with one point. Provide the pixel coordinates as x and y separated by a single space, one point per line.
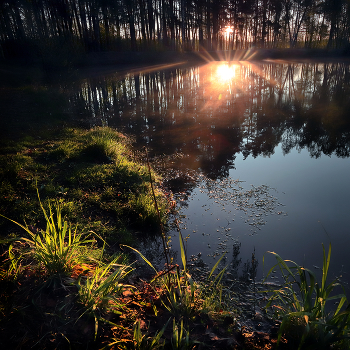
302 303
58 248
104 145
100 292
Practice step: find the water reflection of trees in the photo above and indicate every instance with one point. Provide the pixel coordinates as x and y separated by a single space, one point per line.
194 111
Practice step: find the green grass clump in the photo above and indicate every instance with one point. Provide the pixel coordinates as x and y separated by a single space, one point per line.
181 339
103 145
83 283
303 305
143 207
102 290
58 248
175 288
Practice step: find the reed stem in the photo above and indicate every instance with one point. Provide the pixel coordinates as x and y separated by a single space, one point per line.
158 213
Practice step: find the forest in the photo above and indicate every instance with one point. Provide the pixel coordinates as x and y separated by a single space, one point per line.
32 27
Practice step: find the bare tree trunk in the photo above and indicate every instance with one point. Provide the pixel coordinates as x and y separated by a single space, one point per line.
142 17
131 21
164 24
171 23
151 22
208 25
183 33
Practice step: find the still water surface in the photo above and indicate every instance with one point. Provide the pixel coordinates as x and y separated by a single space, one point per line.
282 129
270 141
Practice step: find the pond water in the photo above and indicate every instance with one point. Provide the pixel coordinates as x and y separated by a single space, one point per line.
258 153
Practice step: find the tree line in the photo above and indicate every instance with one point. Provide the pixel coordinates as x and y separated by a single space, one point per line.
119 25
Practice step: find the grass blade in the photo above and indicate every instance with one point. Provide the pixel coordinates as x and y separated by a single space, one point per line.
216 265
141 255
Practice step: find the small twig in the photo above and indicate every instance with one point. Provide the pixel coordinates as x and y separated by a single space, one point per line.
165 272
158 213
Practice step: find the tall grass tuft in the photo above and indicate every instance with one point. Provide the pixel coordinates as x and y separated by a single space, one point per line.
11 267
177 289
180 339
102 290
180 295
301 304
59 248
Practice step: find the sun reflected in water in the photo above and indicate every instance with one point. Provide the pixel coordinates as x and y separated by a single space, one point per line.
224 82
226 72
229 77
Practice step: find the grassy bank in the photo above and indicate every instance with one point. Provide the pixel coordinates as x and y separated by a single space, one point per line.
82 193
74 206
94 175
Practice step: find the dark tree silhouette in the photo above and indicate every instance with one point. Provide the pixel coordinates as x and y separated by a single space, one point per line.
31 27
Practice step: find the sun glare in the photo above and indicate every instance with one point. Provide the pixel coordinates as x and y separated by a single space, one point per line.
228 30
226 72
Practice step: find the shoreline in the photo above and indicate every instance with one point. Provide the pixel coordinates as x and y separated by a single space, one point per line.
132 58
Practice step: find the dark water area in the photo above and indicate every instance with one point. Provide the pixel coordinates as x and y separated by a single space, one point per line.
257 154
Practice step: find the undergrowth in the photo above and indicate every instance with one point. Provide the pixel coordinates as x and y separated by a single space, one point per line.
74 284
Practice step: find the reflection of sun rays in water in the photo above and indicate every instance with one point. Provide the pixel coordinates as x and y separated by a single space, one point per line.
259 72
226 72
227 79
224 80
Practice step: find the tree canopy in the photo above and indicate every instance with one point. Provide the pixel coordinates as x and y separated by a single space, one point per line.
119 25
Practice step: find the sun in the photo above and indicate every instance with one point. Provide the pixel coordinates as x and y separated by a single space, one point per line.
228 30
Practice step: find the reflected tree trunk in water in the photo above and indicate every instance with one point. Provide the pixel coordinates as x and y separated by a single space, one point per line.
190 110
